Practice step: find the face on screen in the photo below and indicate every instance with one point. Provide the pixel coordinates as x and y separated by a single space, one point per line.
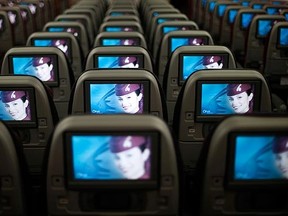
105 157
116 98
194 63
224 99
118 62
71 30
178 42
41 67
267 158
14 105
61 44
120 42
12 17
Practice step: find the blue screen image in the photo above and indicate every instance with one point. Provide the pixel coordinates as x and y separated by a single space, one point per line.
214 100
119 42
103 100
117 62
162 20
272 11
177 42
53 43
169 29
106 157
155 14
246 20
194 63
118 29
221 10
257 6
232 15
283 36
264 27
24 66
73 31
212 6
245 3
260 162
286 16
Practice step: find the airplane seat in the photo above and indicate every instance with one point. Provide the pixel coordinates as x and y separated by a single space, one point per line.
98 9
122 57
14 179
119 26
120 39
37 61
226 25
216 18
17 25
240 31
122 18
257 38
27 108
169 26
275 61
82 18
75 28
66 42
6 35
239 170
157 20
213 95
106 91
175 39
28 19
96 21
189 59
121 12
85 175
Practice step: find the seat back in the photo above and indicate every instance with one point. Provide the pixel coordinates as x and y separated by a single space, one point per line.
65 42
119 26
207 97
188 59
116 193
6 35
33 61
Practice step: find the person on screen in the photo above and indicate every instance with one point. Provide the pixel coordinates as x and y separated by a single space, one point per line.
212 62
280 150
131 156
43 68
16 104
196 41
129 97
240 97
61 44
127 42
128 62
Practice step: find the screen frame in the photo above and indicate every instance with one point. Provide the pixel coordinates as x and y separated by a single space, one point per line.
54 83
146 93
32 103
75 184
181 80
258 24
229 180
138 56
214 118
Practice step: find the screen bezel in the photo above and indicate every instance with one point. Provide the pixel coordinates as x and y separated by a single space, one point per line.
180 73
138 56
229 180
151 183
204 38
146 93
212 118
33 112
70 51
54 83
279 37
